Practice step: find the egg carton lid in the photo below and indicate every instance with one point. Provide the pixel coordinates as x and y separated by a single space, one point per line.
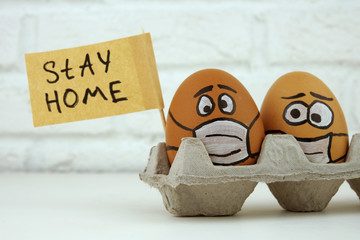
281 159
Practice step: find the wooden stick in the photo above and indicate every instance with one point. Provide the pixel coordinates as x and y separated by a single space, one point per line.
163 119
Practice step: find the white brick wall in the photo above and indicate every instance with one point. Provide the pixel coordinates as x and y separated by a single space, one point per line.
256 40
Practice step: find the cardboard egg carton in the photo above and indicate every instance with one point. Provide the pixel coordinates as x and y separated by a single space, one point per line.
193 186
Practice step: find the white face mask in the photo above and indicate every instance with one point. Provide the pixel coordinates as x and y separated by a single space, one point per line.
316 149
225 140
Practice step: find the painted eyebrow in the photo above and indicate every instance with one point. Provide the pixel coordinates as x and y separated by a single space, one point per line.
299 95
203 90
321 97
226 87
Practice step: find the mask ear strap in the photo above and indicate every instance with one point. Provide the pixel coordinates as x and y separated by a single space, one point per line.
179 124
254 120
252 155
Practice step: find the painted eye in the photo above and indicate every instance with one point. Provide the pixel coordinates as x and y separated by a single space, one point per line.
295 113
320 115
226 104
205 106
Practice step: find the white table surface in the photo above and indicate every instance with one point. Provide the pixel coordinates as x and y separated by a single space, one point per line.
120 206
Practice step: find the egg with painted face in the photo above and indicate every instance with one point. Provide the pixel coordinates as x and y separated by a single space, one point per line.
300 104
215 107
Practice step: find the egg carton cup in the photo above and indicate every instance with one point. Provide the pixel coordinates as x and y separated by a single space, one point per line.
193 186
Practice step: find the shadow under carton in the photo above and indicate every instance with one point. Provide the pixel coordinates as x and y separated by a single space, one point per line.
193 186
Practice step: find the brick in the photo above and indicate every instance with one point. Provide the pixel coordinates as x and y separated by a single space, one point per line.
140 124
9 41
117 153
180 36
314 35
13 153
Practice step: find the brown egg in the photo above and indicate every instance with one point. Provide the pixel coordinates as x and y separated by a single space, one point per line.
300 104
214 106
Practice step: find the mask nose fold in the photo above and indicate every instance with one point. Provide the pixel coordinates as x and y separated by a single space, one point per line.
225 140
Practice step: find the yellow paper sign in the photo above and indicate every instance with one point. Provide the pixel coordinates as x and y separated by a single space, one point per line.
93 81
